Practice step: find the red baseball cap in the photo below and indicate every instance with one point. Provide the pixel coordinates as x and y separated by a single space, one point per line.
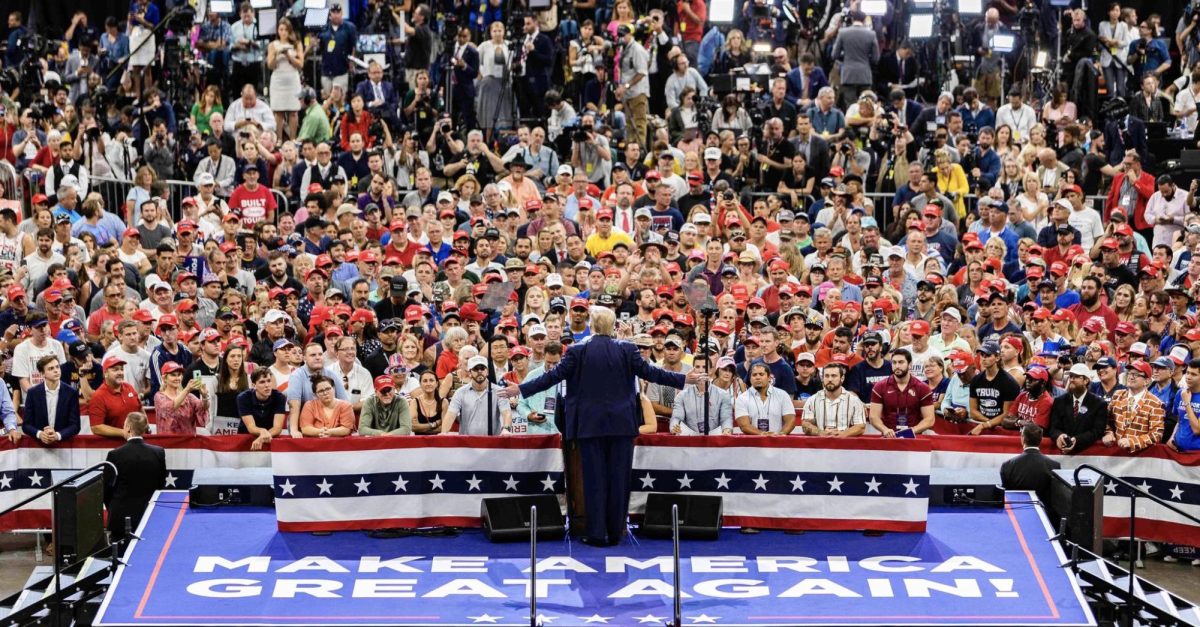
168 320
1095 325
919 328
470 311
1125 328
1142 367
171 366
15 292
580 303
141 315
384 382
131 232
112 361
1041 313
413 314
1059 268
1041 374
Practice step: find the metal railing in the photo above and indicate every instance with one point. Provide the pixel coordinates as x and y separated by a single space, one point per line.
1135 492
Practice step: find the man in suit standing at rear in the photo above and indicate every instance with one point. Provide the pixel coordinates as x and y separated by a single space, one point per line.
51 407
141 469
1030 470
602 411
858 49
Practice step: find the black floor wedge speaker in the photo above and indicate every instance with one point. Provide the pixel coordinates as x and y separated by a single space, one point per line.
506 519
699 516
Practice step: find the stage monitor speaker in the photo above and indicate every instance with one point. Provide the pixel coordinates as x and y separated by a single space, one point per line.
79 518
212 487
506 518
1082 506
967 487
699 516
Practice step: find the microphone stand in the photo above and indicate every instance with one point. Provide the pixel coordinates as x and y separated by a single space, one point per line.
488 331
707 312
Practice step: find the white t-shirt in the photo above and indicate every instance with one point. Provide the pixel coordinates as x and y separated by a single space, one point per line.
134 260
764 415
26 356
1089 224
917 364
137 367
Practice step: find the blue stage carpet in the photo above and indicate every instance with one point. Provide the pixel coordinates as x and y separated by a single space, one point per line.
231 566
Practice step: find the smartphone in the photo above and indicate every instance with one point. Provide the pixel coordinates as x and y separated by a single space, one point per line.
624 316
879 318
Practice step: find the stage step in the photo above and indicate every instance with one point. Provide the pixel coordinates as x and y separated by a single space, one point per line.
1109 584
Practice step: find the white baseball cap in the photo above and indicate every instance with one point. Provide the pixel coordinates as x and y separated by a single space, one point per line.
712 152
554 279
476 362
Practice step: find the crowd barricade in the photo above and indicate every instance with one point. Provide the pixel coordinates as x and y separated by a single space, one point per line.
1175 476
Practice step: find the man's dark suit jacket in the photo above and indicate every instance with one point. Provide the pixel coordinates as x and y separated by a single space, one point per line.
141 470
1029 471
391 100
66 413
601 399
1086 427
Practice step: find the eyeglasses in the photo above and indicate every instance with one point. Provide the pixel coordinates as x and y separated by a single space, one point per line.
325 390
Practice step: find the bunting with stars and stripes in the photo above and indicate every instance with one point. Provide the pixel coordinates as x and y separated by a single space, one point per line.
792 482
378 483
1159 470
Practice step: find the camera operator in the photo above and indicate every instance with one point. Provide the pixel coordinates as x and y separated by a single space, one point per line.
634 91
682 78
27 140
850 158
1148 55
418 50
659 47
160 150
940 140
590 152
773 154
890 140
987 73
80 64
443 146
477 159
246 54
932 117
562 115
214 41
585 55
98 151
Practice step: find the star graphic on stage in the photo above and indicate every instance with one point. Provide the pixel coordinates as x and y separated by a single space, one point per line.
703 618
596 618
5 482
722 482
542 619
288 488
170 480
685 481
35 479
401 483
548 483
650 618
647 481
798 484
911 486
325 487
761 482
1177 493
437 482
873 485
364 486
835 485
473 483
1110 488
484 618
1145 486
510 483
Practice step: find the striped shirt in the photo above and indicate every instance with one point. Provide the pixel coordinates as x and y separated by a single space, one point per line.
846 411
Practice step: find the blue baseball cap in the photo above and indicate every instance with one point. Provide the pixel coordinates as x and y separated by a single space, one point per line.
282 342
1106 362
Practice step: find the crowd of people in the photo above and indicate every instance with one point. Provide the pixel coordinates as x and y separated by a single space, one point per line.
379 251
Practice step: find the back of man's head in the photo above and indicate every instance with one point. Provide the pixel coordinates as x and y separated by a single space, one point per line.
136 424
1031 435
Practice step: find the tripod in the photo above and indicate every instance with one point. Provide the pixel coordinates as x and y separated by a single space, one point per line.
508 95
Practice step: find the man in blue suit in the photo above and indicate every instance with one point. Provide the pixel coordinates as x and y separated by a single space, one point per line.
379 96
465 59
602 412
51 407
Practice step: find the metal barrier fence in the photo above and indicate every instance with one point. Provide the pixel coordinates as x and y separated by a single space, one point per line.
113 191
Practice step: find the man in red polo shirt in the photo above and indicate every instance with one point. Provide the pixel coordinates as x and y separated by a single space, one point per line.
113 401
400 248
901 401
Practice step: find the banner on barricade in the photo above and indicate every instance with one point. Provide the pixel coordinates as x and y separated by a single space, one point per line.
793 482
378 483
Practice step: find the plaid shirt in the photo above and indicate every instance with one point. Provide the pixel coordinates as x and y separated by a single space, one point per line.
1143 425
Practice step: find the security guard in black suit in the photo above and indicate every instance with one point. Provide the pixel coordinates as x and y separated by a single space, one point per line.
140 470
1030 470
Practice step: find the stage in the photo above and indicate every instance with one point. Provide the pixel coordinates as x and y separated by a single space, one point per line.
232 566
